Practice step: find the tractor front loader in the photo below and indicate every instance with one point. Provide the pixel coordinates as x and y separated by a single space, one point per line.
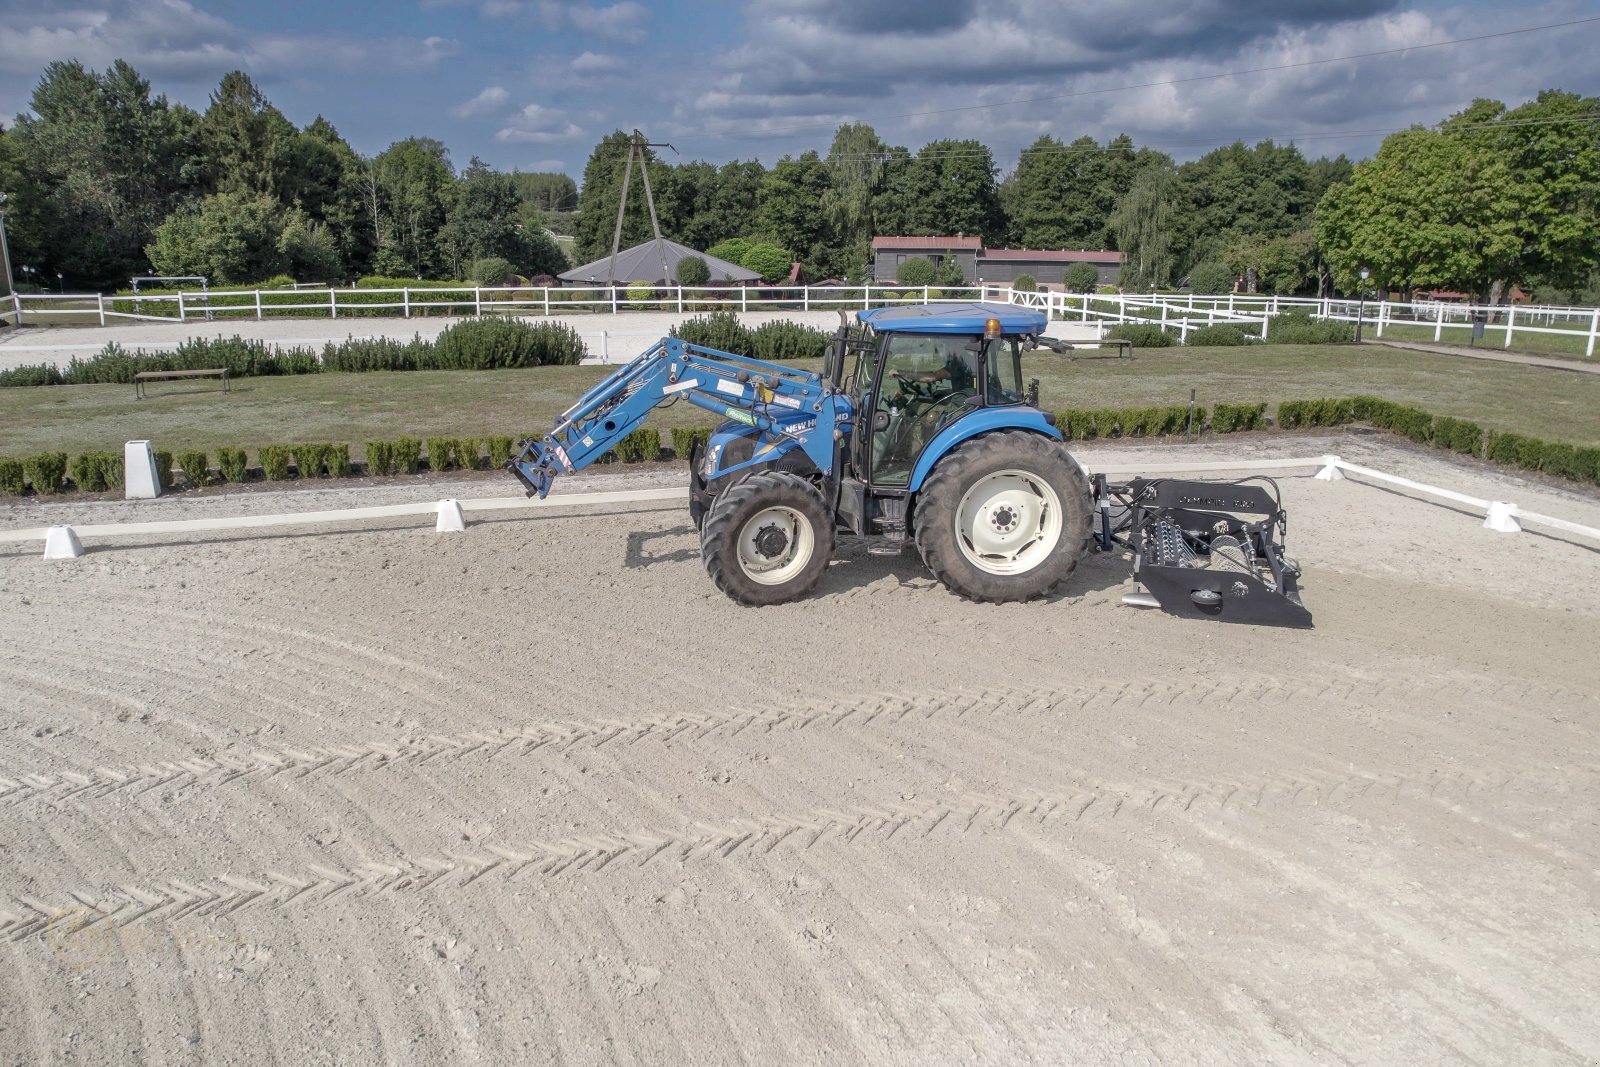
919 430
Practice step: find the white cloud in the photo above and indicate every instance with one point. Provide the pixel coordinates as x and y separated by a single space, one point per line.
598 63
538 125
490 100
624 21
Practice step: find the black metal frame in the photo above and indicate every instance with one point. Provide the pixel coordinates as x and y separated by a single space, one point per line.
1171 525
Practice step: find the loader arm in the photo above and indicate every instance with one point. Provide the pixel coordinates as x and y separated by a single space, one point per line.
782 404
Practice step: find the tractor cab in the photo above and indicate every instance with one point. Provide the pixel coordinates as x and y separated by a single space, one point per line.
920 369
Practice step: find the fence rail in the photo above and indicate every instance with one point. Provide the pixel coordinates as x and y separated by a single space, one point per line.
1576 328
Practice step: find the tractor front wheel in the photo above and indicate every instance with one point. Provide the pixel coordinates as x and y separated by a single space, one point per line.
768 538
1004 517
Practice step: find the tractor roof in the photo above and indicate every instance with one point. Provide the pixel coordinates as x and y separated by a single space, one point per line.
953 318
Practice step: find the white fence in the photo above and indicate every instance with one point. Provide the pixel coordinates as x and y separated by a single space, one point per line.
1574 329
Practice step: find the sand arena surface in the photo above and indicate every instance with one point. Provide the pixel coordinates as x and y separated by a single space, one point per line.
538 793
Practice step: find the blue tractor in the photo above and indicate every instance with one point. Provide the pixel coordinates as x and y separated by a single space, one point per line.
919 430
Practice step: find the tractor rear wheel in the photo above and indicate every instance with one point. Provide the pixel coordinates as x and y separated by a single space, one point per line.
1004 517
767 538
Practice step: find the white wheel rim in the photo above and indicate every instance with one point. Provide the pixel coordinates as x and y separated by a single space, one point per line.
762 531
1009 522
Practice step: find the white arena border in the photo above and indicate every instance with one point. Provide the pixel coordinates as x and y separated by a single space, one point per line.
63 542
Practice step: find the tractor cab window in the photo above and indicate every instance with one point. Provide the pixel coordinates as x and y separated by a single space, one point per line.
927 382
1003 376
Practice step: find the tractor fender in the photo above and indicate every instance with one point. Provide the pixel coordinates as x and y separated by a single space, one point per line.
984 420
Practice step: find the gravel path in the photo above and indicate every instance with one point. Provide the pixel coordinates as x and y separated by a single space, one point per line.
537 793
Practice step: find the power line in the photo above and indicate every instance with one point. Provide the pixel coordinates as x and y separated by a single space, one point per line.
1193 78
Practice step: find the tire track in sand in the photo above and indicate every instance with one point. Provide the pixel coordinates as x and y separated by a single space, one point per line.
297 763
320 886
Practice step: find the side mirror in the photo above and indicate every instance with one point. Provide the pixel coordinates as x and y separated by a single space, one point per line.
880 421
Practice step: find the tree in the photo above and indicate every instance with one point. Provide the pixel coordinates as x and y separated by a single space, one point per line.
325 179
308 250
692 270
414 191
769 261
791 198
1141 224
948 188
1212 276
855 182
1262 191
1063 196
733 205
232 239
99 164
545 191
483 219
249 145
602 190
1079 278
732 250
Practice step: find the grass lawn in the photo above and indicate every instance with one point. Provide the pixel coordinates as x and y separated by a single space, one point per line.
1555 405
1568 342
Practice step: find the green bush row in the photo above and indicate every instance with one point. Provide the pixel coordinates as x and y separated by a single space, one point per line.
1530 453
684 439
1232 418
1079 424
776 340
640 446
1142 336
472 344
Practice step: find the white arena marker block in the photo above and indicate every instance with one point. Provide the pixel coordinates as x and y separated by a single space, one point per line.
139 471
1330 471
61 542
1502 518
451 520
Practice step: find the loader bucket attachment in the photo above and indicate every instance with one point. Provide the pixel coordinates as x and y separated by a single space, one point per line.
534 465
1204 550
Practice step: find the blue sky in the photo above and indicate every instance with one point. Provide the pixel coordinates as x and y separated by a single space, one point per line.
533 84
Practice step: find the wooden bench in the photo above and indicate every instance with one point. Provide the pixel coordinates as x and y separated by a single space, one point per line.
145 376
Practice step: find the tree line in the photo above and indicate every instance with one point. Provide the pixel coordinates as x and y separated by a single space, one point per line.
108 181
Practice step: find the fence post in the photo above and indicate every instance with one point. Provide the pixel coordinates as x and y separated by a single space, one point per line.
1383 315
183 316
405 299
16 302
1511 323
1438 320
680 300
333 303
258 305
1594 328
925 294
1266 324
547 300
477 300
101 299
605 346
613 299
744 298
805 298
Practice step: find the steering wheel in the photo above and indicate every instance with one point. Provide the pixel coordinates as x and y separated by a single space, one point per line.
913 388
953 401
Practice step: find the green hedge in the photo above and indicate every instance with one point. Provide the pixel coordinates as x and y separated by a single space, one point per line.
1295 414
643 445
232 464
721 330
95 472
684 438
779 340
1080 424
275 460
492 344
12 481
46 472
1141 336
195 467
1297 327
1401 418
164 469
500 449
1232 418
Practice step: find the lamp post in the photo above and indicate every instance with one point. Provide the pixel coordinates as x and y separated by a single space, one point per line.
1361 302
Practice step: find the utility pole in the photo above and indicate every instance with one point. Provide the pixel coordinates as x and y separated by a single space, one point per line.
636 147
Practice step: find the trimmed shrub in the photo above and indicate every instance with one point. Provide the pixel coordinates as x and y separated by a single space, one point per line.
643 445
195 468
789 340
491 271
380 457
1294 414
684 439
721 330
1141 336
500 448
338 461
377 353
1233 418
491 344
46 472
467 453
232 464
34 374
917 270
406 455
1588 464
309 459
439 451
275 460
1297 327
164 469
1387 415
1024 283
1458 435
12 481
1220 335
693 270
243 358
1211 276
640 294
96 472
